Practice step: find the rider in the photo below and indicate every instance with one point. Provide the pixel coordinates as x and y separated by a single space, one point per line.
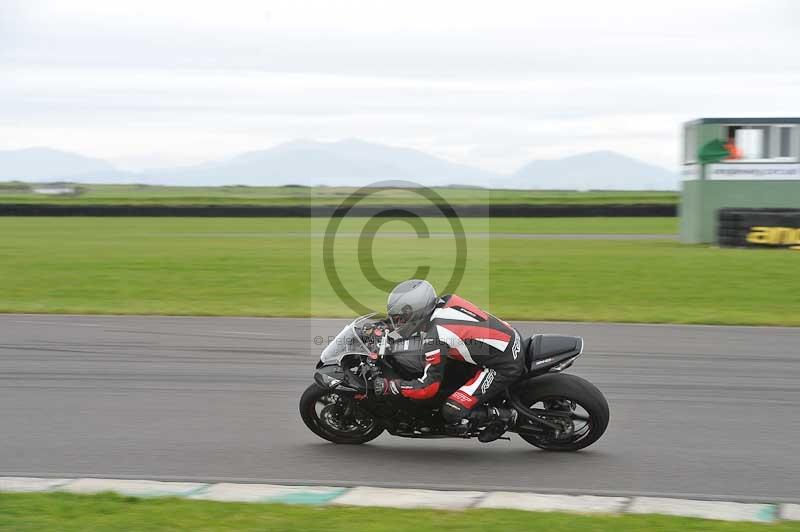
452 327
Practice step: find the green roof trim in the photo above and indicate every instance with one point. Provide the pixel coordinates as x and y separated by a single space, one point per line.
747 121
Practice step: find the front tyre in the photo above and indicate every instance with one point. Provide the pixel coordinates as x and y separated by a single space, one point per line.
572 403
337 417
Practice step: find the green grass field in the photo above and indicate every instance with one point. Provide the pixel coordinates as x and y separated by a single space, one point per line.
498 226
268 267
167 195
106 512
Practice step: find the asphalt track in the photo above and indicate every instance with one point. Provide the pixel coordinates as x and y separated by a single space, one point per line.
696 411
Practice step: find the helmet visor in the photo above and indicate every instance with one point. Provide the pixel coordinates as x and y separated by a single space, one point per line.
401 318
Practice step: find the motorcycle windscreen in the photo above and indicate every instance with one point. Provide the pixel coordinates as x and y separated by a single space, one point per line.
347 342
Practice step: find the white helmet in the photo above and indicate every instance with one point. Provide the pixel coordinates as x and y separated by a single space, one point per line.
410 305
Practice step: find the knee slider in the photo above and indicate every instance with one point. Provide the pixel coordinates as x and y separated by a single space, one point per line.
453 412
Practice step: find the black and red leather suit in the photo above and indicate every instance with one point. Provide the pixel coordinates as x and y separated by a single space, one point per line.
460 330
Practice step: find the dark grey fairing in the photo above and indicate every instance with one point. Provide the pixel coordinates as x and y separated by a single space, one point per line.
544 351
338 377
407 357
409 365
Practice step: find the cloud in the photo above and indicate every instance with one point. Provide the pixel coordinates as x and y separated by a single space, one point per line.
486 84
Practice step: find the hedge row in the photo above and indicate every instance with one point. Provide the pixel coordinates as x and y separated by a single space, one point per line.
467 211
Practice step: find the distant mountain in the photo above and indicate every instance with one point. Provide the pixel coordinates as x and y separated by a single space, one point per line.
606 170
348 162
44 164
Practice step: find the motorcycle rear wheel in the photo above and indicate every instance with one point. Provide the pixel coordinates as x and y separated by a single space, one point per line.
567 392
318 409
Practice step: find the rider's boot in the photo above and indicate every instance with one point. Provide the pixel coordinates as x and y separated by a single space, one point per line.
496 422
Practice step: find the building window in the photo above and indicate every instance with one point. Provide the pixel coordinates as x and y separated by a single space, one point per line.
690 146
752 142
785 142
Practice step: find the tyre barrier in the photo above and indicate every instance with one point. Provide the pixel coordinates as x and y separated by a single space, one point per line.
326 211
759 228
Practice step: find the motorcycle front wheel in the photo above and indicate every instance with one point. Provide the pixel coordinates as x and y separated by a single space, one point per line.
569 402
337 417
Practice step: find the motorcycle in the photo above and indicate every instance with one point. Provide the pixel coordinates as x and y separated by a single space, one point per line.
557 411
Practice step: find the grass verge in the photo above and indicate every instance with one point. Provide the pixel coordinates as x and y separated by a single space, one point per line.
301 195
217 266
107 512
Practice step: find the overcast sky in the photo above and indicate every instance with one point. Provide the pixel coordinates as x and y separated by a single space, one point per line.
492 83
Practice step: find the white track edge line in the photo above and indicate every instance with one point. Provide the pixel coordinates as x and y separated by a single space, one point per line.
776 506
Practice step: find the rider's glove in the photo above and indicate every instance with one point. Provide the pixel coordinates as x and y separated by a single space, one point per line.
383 386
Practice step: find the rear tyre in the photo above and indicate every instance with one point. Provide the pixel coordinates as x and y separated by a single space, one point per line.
337 417
587 411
